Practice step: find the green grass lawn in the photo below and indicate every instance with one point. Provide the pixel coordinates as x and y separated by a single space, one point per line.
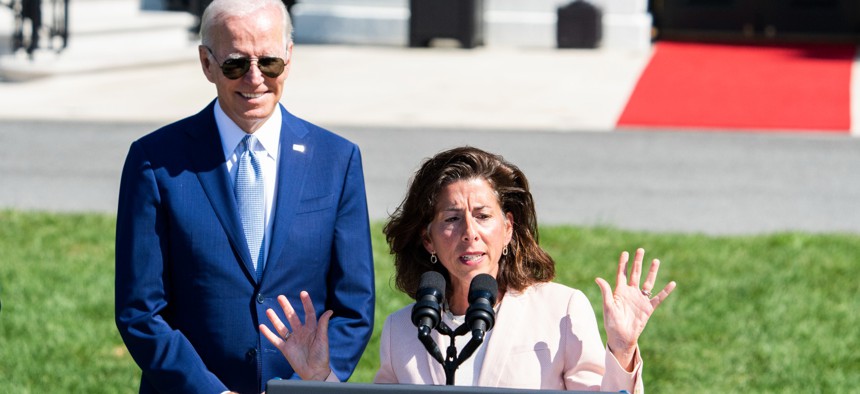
771 313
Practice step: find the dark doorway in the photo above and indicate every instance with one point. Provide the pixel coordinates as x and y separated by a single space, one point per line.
788 20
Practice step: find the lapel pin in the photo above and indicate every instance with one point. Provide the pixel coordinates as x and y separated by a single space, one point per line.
299 148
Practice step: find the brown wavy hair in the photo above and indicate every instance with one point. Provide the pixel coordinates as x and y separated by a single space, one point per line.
525 264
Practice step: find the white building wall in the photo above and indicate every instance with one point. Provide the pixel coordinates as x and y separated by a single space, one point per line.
626 23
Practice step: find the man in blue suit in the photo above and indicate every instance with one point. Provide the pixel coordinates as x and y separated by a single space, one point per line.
221 212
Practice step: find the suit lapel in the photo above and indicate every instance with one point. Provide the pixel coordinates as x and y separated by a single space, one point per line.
207 157
294 155
510 323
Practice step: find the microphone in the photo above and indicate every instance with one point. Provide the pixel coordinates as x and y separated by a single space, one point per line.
482 297
431 293
480 317
427 311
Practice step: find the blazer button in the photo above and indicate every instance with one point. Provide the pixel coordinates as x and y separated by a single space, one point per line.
251 355
260 298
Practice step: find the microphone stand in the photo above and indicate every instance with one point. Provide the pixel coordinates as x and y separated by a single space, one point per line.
452 361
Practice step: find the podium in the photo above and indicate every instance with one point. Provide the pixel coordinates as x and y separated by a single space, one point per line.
276 386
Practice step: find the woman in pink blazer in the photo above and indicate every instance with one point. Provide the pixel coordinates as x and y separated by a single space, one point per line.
467 213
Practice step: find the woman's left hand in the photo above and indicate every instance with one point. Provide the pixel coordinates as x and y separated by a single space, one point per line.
627 310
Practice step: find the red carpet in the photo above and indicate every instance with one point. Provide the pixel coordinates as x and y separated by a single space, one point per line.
773 87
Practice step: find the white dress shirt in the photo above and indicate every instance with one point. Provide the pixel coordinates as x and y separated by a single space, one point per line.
267 148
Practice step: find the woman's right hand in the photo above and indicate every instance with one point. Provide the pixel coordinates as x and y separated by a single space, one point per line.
306 347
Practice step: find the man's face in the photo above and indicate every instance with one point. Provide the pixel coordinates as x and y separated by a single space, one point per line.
250 99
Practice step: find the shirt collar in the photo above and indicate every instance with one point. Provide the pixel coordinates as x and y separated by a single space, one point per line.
269 134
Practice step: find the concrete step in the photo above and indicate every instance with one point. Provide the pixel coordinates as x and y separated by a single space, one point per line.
103 35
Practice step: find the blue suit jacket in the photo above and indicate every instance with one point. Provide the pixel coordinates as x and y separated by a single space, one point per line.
187 301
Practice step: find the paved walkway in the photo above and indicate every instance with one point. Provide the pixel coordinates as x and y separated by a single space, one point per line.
140 66
370 86
126 65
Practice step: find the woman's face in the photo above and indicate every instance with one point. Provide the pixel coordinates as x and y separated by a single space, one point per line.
468 231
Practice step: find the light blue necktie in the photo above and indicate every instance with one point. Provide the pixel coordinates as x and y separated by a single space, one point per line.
250 195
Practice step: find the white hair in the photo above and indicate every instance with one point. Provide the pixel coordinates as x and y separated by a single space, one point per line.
219 10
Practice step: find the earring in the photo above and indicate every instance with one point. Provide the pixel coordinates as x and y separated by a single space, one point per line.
433 259
505 251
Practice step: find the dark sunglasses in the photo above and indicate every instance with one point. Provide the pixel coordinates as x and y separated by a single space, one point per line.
236 67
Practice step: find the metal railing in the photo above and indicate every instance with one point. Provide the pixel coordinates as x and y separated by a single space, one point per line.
32 28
